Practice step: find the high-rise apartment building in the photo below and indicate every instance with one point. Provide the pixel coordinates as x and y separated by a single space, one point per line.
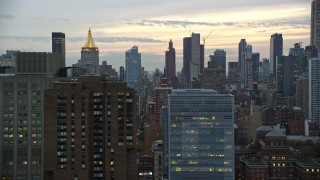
219 58
276 49
315 24
314 90
200 135
193 59
58 45
21 125
89 56
90 130
170 63
133 67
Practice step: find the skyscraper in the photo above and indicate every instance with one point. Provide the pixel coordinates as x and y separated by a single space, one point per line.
133 67
284 76
219 58
315 24
89 56
170 63
241 51
266 69
314 90
90 130
193 58
276 49
186 60
255 66
58 45
201 140
246 68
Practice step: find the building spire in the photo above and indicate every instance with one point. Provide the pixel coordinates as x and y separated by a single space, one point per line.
89 41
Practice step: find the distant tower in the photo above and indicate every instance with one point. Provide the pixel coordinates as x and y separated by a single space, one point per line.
193 58
186 60
89 56
122 73
133 67
219 58
276 49
241 51
315 24
170 62
58 45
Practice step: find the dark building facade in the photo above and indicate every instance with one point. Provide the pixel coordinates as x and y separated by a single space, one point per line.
284 76
170 63
90 130
58 45
219 57
186 60
214 77
276 49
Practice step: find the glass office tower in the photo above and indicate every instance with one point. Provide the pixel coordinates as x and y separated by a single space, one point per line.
200 141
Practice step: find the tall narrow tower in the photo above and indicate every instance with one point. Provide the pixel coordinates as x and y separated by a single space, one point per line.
89 56
315 24
276 49
170 62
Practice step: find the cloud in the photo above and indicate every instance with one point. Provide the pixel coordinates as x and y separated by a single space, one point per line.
7 16
294 23
172 23
77 39
61 19
26 38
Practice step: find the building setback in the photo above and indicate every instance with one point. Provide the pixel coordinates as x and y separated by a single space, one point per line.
90 130
200 135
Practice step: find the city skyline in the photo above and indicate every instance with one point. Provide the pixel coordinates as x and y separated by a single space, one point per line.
150 25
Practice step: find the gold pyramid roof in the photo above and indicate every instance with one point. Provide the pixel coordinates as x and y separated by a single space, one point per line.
89 41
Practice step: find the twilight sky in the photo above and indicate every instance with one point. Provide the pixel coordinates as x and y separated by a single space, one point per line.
117 25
